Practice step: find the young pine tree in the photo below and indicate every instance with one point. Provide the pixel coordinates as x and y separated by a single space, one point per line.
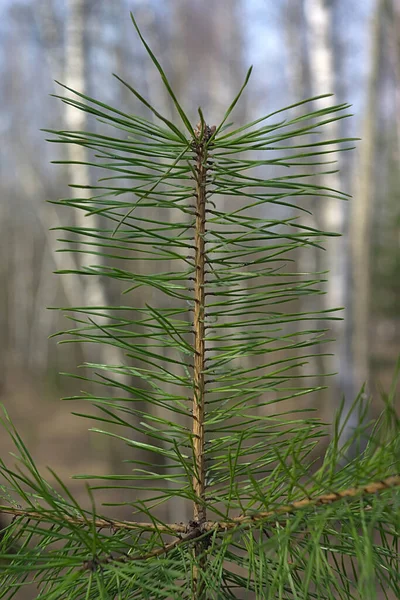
208 395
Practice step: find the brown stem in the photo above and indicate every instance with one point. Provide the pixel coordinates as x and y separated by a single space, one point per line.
371 488
99 523
202 134
188 533
199 514
181 528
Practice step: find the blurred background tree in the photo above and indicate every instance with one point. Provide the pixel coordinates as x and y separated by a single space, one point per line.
298 48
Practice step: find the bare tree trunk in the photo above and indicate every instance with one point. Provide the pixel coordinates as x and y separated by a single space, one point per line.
298 64
319 19
362 210
393 14
76 120
299 78
322 49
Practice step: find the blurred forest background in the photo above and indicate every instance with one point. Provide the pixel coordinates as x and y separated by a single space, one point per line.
299 48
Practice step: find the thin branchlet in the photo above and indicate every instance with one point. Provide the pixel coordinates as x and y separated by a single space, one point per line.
186 533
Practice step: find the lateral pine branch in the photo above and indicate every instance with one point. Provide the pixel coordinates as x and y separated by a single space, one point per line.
188 532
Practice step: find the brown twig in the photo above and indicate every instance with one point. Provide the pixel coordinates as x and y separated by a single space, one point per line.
99 523
182 529
197 530
371 488
193 530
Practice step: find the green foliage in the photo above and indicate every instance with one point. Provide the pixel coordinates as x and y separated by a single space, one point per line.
212 343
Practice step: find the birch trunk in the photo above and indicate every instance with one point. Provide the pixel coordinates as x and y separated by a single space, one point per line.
76 120
299 78
319 20
362 209
333 213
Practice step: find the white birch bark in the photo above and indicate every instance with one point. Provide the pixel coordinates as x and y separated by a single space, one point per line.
300 85
75 120
319 18
362 209
333 213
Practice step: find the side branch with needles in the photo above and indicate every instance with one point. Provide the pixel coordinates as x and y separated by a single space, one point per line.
186 533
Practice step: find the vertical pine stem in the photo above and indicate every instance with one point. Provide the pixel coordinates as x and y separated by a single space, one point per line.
199 514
